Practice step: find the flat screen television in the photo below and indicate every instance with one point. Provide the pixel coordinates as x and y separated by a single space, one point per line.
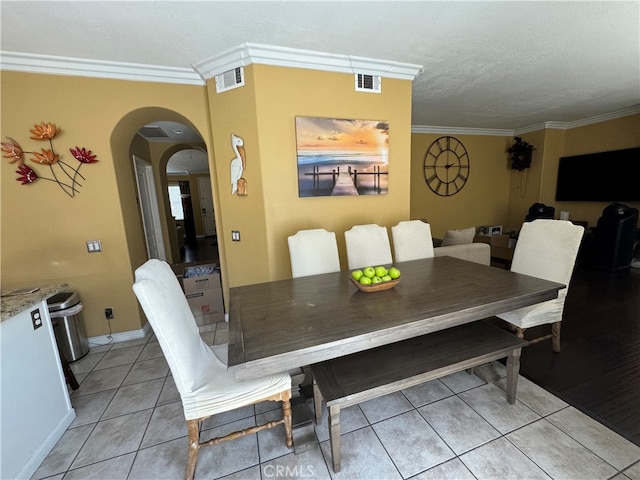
600 177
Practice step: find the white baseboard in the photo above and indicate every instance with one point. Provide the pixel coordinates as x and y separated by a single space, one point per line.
43 450
121 336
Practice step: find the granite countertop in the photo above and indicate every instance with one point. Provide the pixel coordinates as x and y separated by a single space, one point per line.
14 304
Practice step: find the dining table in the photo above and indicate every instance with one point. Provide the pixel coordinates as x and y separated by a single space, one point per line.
281 325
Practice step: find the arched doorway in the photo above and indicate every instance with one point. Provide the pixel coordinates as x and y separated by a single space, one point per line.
192 207
132 137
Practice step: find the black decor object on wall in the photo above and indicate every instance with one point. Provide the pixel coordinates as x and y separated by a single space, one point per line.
521 154
600 177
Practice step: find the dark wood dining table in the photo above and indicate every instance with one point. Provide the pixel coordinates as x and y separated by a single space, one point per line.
280 325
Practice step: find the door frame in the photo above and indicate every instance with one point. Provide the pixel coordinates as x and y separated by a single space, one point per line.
206 182
148 200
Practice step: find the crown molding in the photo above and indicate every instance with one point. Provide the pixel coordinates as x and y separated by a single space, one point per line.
461 131
633 110
625 112
249 53
48 64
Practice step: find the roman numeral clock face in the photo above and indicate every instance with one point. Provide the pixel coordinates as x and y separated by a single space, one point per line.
446 166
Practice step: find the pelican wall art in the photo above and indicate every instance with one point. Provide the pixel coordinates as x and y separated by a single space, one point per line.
238 166
342 157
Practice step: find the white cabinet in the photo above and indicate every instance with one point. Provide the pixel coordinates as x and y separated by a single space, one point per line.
35 405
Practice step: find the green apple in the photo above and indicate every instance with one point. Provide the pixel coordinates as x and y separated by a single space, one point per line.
356 275
380 271
365 280
376 279
394 273
369 272
386 278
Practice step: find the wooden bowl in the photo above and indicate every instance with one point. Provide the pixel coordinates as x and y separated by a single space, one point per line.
375 288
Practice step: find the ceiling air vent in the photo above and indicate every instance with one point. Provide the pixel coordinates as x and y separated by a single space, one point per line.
150 131
230 79
368 83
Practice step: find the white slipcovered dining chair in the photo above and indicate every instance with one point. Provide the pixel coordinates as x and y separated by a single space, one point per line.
545 249
412 240
207 387
367 245
313 252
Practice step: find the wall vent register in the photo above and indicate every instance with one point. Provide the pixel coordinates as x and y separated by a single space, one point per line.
368 83
230 79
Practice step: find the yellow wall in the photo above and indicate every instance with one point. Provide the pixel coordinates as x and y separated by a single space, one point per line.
497 195
43 230
614 134
263 114
484 200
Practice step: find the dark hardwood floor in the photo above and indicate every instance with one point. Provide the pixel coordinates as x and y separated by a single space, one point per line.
598 370
204 250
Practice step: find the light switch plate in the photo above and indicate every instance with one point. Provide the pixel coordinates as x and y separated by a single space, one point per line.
94 246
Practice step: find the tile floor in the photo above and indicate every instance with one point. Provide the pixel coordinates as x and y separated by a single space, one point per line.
129 425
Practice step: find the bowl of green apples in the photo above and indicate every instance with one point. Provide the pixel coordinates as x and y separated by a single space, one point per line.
374 279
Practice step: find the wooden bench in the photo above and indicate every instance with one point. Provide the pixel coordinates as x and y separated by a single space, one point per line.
369 374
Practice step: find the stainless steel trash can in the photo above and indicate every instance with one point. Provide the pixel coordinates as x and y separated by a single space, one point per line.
65 310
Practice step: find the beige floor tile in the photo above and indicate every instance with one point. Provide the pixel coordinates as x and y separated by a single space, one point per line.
427 392
101 380
133 398
499 459
454 469
605 443
491 403
535 397
458 424
357 462
120 356
559 455
412 443
63 453
114 437
112 469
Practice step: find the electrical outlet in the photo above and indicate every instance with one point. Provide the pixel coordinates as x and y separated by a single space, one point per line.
36 319
108 313
235 235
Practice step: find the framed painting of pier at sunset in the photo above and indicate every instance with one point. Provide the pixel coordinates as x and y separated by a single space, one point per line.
338 157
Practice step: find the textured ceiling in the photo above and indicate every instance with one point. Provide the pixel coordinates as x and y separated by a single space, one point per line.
498 65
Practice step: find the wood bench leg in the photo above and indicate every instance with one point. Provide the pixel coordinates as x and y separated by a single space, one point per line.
555 336
513 370
317 402
334 436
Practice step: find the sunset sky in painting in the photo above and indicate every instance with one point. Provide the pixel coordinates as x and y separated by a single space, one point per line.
339 134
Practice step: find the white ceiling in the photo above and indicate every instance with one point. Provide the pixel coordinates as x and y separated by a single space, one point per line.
186 161
487 65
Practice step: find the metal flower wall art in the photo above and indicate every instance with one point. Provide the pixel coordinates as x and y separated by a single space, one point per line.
65 175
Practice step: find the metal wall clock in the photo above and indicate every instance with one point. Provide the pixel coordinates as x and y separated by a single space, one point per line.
446 166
